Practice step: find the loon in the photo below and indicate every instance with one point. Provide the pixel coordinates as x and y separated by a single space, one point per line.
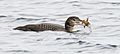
69 24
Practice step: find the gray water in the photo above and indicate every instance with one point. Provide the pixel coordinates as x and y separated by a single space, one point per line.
103 14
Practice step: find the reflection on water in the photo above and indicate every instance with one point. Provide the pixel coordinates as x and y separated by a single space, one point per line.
103 15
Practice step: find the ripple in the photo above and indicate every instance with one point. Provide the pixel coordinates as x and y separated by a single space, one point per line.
27 19
105 26
66 38
79 51
17 51
114 3
70 43
56 2
34 3
62 14
2 16
77 5
110 8
81 42
73 2
114 46
30 15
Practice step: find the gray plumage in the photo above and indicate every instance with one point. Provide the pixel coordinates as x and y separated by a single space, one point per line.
69 24
41 27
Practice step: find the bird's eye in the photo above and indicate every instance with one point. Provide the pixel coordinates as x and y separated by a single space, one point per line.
74 19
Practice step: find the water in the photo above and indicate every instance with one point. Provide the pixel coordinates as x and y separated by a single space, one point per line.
103 14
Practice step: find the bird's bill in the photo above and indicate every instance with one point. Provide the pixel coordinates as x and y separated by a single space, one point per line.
85 23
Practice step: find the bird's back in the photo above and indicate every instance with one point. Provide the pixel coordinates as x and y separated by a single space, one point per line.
41 27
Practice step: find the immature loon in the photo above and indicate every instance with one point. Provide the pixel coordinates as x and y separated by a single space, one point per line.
69 24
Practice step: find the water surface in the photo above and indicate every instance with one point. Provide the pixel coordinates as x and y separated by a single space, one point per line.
103 14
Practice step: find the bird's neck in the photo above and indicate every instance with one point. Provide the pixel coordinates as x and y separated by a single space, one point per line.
69 26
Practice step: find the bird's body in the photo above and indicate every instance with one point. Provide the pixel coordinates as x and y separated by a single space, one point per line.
69 24
41 27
